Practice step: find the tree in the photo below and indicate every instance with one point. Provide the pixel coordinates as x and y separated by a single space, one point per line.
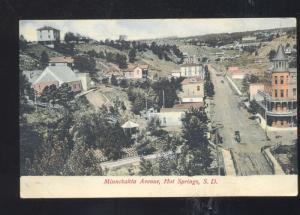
208 85
166 91
113 80
70 37
22 43
121 61
124 83
64 96
92 53
132 55
84 63
49 94
145 167
82 161
272 54
44 60
197 155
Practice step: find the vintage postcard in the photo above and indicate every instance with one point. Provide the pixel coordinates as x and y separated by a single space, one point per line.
158 108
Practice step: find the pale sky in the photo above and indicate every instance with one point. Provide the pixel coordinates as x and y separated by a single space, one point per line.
152 28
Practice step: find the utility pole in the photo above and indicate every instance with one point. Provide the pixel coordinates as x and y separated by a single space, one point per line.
146 103
35 101
163 98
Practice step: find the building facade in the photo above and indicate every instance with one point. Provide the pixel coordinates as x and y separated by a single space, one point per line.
48 35
61 61
136 71
192 90
278 101
190 70
57 75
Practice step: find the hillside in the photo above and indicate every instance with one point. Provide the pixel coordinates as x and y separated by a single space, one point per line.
156 66
98 48
36 50
283 40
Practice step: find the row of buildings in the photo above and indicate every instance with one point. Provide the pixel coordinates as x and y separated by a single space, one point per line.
191 95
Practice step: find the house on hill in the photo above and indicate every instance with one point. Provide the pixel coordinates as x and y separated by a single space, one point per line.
61 61
58 75
48 36
136 71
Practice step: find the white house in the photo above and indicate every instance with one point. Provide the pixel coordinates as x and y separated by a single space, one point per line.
189 70
48 36
136 71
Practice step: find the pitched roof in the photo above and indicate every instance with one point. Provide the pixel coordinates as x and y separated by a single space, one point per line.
129 124
192 80
131 67
59 73
47 28
280 55
61 60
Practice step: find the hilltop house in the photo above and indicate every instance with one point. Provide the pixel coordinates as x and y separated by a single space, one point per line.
136 71
58 75
48 36
192 90
61 61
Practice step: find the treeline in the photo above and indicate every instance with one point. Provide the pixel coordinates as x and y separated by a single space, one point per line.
162 51
116 58
209 89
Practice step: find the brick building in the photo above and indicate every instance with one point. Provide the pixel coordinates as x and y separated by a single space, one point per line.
278 100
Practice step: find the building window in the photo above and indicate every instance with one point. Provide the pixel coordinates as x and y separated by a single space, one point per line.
164 120
275 92
281 93
294 91
275 79
198 88
281 79
287 93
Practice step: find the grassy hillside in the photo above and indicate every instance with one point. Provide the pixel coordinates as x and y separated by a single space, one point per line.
156 66
36 50
97 48
283 40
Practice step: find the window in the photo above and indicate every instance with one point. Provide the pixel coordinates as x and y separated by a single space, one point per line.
281 93
198 88
164 120
287 93
281 79
275 93
275 79
294 91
